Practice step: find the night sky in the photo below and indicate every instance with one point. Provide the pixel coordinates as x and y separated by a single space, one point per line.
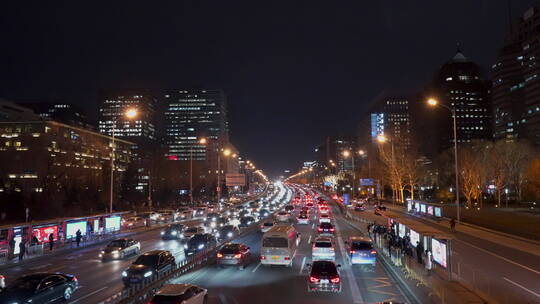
294 72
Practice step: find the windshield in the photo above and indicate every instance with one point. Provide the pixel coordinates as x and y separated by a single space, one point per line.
268 224
324 268
323 244
230 249
116 243
277 242
199 238
148 260
361 246
326 225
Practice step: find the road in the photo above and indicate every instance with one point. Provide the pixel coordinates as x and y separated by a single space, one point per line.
262 284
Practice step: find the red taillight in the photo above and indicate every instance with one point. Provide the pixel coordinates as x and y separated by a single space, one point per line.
320 229
352 251
373 251
331 229
219 255
313 279
287 258
75 279
334 280
237 256
263 257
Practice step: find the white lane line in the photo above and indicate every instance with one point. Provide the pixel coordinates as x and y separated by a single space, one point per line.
90 294
40 266
353 285
500 257
309 240
522 287
256 267
313 226
302 267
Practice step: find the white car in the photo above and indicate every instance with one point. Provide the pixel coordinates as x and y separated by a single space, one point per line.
282 216
181 293
303 219
191 231
324 218
266 226
323 248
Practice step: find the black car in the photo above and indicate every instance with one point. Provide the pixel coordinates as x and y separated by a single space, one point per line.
199 242
173 232
233 254
246 221
40 288
264 213
289 208
148 265
243 213
326 228
324 276
227 232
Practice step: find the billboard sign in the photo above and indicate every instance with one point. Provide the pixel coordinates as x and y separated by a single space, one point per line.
42 233
430 210
327 184
232 180
112 223
439 252
346 199
438 212
71 229
365 182
415 237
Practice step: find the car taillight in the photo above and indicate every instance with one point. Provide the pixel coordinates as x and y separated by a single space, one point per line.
334 280
320 229
313 279
373 251
238 255
263 257
331 229
352 251
219 255
287 258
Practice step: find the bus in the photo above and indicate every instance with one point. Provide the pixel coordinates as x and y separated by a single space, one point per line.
279 246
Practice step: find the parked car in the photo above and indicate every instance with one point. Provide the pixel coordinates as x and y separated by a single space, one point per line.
40 288
119 249
147 265
180 293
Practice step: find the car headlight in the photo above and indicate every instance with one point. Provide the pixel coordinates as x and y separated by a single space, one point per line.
124 273
217 234
102 251
201 246
229 234
162 232
185 246
174 233
147 274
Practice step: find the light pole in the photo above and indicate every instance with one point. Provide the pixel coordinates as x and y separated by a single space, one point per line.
382 139
226 153
201 141
434 102
346 154
129 113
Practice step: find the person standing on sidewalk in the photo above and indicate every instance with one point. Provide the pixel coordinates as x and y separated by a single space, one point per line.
11 248
419 252
51 241
78 237
22 249
453 225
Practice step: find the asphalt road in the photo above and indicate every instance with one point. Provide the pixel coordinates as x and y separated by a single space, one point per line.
263 284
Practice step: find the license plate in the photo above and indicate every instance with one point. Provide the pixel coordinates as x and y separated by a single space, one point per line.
275 257
324 281
134 280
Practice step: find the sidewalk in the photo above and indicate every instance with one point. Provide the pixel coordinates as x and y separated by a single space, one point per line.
422 286
500 238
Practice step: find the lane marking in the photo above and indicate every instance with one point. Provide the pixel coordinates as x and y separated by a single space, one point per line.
90 294
353 285
309 240
302 267
256 267
313 226
522 287
500 257
40 266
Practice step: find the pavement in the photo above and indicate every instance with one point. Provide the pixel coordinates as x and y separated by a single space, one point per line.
498 267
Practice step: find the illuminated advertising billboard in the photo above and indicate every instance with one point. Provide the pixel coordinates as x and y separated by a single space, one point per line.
401 230
430 210
438 211
409 206
417 207
112 223
42 233
423 208
71 229
415 237
439 252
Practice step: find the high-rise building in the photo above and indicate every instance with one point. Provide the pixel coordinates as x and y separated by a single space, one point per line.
460 85
192 114
140 129
516 81
330 153
66 113
390 116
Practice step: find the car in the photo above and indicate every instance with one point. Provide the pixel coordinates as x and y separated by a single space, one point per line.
309 204
323 248
243 213
324 210
167 216
266 226
359 207
233 254
180 293
263 213
198 243
217 223
361 251
173 232
324 276
227 232
134 222
40 288
303 219
289 208
191 231
326 228
211 217
119 249
147 265
304 210
282 216
324 218
246 221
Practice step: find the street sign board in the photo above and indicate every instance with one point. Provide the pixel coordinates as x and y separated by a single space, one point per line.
346 199
365 182
232 180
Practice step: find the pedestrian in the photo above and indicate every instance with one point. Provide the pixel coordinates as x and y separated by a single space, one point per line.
419 251
453 225
429 263
11 248
22 249
51 241
35 240
78 237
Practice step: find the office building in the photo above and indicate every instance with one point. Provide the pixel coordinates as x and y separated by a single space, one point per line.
66 113
516 83
390 116
330 153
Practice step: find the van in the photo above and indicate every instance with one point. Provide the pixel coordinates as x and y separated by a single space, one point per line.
279 246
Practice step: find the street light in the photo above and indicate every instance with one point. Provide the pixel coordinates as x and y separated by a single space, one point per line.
381 138
434 102
226 153
129 114
346 154
201 141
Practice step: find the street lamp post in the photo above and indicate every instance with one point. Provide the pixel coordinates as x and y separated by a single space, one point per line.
202 141
434 102
130 113
346 154
226 153
382 139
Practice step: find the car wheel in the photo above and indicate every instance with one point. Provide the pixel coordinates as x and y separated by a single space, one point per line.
67 293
